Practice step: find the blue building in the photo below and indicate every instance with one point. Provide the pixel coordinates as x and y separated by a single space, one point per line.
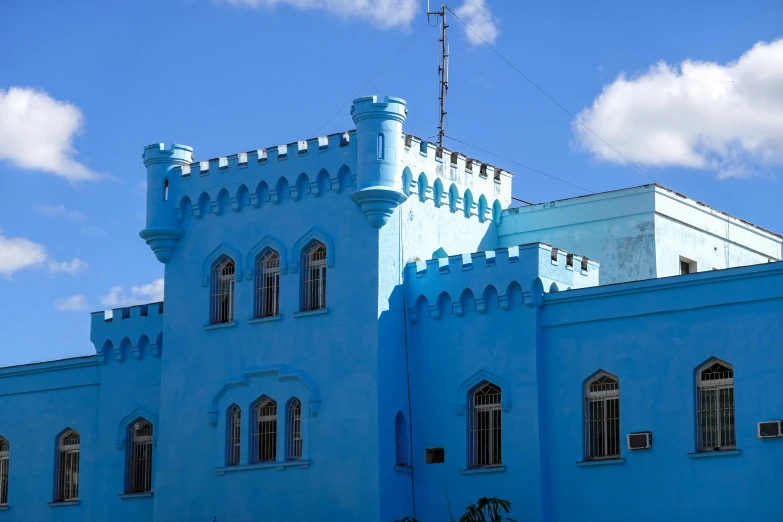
357 327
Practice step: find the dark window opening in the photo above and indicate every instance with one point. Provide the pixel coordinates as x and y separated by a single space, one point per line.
435 456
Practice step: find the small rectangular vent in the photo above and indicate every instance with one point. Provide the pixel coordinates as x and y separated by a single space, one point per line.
770 429
640 440
435 456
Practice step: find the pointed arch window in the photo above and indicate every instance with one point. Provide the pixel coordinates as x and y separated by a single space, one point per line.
294 428
263 434
166 189
268 283
222 309
485 426
138 464
5 458
602 417
314 276
67 476
233 434
715 407
380 146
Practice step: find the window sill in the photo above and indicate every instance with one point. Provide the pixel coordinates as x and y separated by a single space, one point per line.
217 326
600 462
267 319
3 508
476 471
129 496
711 454
279 466
311 312
403 469
64 503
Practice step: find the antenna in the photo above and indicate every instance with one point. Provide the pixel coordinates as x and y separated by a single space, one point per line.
443 68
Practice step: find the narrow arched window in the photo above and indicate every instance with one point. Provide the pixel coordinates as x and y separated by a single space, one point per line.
401 439
380 146
485 444
223 290
138 464
715 407
268 283
314 276
263 434
602 417
294 428
5 458
166 189
67 476
233 434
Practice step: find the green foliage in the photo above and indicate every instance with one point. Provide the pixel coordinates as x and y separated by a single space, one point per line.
487 510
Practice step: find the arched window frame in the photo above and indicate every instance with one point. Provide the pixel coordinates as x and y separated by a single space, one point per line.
139 456
5 460
267 267
602 417
294 429
66 485
233 435
166 189
715 417
263 430
485 424
380 146
222 296
314 261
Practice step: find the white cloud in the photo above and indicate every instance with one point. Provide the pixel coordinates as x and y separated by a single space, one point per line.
60 211
73 266
477 15
37 131
17 253
702 115
75 303
142 294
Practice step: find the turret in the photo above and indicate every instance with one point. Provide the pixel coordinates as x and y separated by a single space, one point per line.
163 228
380 145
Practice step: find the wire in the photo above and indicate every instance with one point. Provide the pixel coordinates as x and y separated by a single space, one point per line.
342 107
523 165
534 84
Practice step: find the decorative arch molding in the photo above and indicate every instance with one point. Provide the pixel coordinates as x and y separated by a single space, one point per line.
138 413
281 373
266 242
222 248
313 233
596 374
471 382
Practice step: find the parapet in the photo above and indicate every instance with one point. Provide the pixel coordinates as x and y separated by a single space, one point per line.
500 278
124 333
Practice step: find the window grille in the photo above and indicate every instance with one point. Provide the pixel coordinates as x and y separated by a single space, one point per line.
314 277
715 411
268 283
233 435
602 418
294 424
484 449
67 477
264 431
223 290
5 455
139 464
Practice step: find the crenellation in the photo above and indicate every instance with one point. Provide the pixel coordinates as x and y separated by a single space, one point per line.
134 330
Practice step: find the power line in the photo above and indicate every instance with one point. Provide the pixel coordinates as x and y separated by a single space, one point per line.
523 165
534 84
342 107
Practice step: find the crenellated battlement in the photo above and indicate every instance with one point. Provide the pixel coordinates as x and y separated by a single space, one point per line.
130 332
500 278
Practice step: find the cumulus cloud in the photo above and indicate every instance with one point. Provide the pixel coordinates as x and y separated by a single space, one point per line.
727 118
59 211
71 267
75 303
142 294
37 131
17 253
477 15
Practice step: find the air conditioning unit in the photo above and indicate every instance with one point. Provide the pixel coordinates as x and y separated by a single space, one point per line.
770 429
640 440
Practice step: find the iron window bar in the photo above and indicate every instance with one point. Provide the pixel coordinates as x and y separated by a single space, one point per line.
67 477
485 429
222 309
139 464
715 410
263 436
268 284
294 424
602 418
234 434
314 277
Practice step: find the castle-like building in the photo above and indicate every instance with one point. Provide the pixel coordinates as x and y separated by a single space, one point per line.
359 328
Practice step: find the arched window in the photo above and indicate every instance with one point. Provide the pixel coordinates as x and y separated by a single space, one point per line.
602 417
166 189
314 276
401 436
263 434
67 476
223 290
380 146
715 407
233 434
294 427
485 444
138 464
267 283
5 455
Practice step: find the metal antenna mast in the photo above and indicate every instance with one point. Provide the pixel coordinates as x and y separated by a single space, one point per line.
443 68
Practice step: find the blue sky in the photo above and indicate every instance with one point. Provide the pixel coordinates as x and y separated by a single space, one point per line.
691 91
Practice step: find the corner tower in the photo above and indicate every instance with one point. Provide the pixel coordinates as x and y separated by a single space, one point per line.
379 136
163 229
